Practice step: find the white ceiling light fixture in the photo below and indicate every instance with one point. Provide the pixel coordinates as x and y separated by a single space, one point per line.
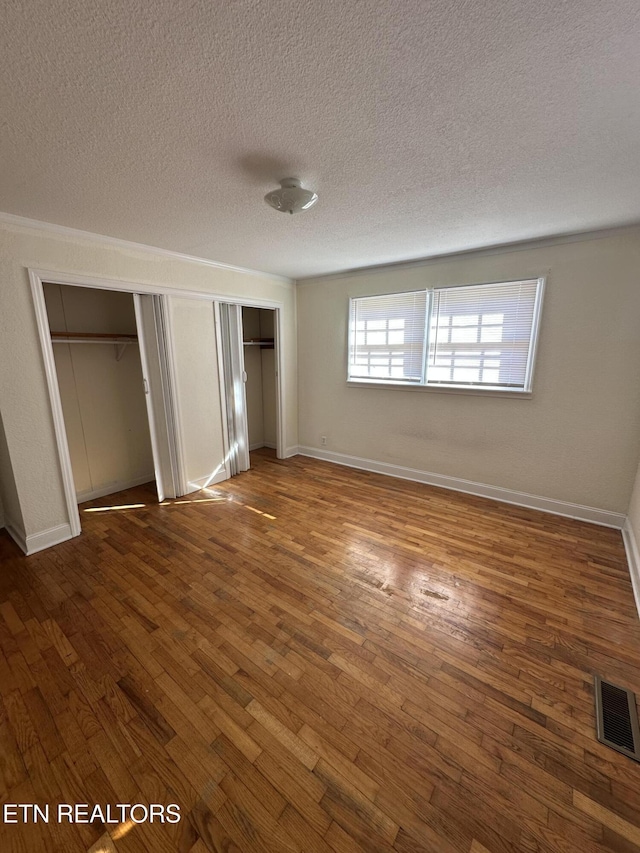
291 197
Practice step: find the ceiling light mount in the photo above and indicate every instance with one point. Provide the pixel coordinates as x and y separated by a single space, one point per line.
291 197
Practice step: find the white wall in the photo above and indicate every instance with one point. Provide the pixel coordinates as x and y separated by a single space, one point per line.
198 391
574 440
102 398
26 411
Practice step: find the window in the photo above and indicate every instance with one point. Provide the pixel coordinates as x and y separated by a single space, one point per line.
475 336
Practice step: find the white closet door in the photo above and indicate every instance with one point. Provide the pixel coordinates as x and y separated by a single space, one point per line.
234 381
152 341
198 392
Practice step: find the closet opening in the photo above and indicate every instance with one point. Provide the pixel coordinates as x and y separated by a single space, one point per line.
258 337
99 346
249 348
112 350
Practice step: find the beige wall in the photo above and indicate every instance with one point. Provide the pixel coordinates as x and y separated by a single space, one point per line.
102 397
24 399
574 440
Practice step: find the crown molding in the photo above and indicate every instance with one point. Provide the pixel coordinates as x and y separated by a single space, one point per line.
496 249
12 220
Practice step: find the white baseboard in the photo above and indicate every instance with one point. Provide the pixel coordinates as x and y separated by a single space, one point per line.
633 559
292 451
46 538
38 541
496 493
256 445
112 488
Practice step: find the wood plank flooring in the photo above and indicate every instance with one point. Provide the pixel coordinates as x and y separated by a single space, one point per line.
309 658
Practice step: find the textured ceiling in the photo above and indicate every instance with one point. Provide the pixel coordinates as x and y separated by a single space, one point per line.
425 127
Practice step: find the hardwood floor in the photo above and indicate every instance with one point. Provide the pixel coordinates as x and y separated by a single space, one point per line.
309 658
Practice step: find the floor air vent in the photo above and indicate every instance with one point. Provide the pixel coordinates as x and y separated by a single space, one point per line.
617 718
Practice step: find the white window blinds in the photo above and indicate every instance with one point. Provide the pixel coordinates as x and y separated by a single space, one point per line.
473 336
387 337
481 335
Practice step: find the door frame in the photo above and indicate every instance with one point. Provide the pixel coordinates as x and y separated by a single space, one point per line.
279 369
37 277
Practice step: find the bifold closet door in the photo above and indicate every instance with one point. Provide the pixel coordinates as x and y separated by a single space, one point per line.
198 392
234 386
152 339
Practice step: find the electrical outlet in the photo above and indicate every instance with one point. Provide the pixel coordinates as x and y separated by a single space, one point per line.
323 440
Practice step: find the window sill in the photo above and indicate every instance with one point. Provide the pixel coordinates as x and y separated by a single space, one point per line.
441 389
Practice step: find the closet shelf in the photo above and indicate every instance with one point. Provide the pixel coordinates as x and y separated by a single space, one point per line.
263 343
120 341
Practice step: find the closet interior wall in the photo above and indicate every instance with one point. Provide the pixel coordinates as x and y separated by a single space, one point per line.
10 513
260 367
101 390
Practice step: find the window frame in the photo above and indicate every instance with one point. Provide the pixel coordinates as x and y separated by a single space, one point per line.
452 388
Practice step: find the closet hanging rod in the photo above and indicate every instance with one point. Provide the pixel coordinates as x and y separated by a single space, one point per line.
93 338
263 343
121 341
